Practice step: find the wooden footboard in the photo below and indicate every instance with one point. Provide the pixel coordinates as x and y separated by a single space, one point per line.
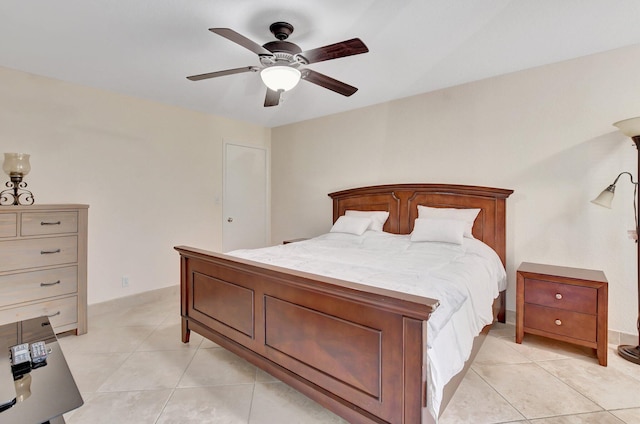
356 350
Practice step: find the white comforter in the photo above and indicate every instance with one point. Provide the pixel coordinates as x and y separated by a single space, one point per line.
464 278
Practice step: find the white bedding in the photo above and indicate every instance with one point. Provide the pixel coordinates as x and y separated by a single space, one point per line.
463 278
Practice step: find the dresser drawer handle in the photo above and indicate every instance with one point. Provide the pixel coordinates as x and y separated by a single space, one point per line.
49 284
558 296
558 322
50 223
53 315
48 252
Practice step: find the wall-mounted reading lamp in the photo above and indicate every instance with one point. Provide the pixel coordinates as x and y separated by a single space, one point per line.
631 128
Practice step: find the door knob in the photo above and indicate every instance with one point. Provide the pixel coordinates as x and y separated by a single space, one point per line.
229 219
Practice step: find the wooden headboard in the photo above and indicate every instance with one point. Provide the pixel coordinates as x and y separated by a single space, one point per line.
402 200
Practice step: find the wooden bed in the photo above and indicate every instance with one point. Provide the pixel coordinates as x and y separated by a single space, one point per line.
296 325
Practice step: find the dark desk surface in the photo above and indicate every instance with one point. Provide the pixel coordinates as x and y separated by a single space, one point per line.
52 388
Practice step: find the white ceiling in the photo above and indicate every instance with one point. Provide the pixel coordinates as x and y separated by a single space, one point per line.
146 48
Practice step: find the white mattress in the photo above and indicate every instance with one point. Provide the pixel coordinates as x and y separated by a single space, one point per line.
464 278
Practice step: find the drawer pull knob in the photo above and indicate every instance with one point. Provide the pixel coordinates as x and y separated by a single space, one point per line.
53 315
49 284
558 322
50 223
48 252
558 296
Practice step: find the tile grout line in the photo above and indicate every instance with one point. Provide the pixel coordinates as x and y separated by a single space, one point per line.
499 394
253 393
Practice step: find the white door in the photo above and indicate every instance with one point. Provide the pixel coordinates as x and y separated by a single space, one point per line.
244 203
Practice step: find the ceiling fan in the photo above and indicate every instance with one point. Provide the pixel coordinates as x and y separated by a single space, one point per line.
282 59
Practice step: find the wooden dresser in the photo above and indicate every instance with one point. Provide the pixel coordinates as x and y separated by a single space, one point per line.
568 304
43 265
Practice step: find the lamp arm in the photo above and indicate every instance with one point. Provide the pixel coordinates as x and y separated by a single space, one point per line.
623 173
635 205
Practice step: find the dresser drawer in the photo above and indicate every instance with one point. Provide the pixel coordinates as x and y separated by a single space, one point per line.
61 312
8 225
33 253
36 285
43 223
561 322
562 296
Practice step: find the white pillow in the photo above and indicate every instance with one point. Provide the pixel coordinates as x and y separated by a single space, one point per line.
466 215
351 225
442 230
378 218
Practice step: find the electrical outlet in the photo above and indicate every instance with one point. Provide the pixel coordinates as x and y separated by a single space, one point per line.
125 281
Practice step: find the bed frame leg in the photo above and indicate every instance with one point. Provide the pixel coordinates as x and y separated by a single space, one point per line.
185 331
502 313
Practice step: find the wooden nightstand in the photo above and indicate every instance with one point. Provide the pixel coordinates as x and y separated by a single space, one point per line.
294 240
568 304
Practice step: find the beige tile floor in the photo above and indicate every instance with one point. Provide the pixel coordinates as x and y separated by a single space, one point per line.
132 368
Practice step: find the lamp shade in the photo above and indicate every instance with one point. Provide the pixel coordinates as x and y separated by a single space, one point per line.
16 163
280 77
629 127
606 197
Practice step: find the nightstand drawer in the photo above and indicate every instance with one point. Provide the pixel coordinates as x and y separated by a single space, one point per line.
557 321
42 223
562 296
33 253
8 225
26 286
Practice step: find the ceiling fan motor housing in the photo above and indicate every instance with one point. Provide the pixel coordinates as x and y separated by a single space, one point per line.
284 52
282 47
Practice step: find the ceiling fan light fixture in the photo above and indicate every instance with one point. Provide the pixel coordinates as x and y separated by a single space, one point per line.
280 77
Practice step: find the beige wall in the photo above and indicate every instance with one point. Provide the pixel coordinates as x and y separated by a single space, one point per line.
149 172
545 133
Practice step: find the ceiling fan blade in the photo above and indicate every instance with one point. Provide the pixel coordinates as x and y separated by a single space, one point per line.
231 35
272 98
335 51
223 73
328 82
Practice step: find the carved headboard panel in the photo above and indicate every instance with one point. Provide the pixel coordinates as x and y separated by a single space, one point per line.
402 200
